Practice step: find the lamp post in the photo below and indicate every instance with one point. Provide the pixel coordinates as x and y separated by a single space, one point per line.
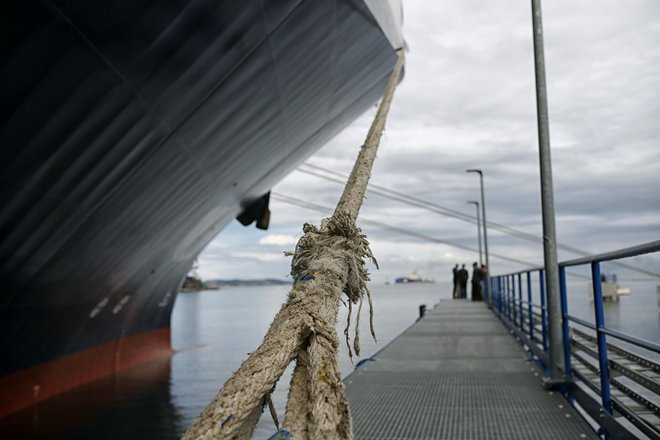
547 205
483 217
476 204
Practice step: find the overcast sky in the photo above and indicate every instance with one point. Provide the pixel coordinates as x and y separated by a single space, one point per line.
468 101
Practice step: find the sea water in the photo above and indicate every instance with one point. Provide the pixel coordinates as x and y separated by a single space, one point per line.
214 331
231 322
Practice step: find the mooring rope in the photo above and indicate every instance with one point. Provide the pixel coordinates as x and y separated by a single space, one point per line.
328 261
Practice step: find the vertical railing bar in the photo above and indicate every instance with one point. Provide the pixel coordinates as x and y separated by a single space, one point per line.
514 296
602 340
499 294
544 312
514 308
520 303
512 299
530 312
506 297
563 295
502 290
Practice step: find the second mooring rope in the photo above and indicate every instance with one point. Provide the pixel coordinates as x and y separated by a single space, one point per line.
328 261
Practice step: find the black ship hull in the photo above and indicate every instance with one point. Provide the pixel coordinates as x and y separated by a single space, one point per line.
131 133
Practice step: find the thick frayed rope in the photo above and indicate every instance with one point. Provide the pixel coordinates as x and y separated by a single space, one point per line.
348 242
329 261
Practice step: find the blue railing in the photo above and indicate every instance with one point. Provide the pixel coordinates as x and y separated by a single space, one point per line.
518 310
587 366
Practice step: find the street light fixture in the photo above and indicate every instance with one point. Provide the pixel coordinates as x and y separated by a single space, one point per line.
485 229
476 204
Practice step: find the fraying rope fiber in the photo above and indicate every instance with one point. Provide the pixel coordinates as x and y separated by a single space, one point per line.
341 234
329 261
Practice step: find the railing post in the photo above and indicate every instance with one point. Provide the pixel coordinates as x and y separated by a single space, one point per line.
508 297
512 299
520 304
514 312
505 298
499 294
602 341
530 311
544 317
568 370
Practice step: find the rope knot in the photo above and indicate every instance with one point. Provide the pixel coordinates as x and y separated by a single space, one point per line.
337 243
337 239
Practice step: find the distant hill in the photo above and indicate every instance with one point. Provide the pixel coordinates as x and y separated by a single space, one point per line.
256 282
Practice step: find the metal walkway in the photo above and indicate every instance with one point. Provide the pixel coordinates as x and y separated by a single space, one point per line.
457 374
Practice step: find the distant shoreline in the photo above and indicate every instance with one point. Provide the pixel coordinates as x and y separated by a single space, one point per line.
255 282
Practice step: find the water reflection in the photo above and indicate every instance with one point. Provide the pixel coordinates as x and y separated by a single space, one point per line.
140 393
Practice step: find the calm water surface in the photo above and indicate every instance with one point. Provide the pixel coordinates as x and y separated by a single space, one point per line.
230 323
212 332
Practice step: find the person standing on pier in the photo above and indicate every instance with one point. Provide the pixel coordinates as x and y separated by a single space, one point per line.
484 279
455 291
463 279
477 277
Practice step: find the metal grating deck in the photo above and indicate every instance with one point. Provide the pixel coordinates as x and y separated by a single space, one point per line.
457 374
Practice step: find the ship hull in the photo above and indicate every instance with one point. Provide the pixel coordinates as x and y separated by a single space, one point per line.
130 136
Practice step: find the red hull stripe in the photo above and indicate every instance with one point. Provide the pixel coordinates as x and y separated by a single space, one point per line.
27 387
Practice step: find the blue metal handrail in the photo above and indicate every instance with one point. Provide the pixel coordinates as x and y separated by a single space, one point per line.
521 316
646 248
648 345
510 303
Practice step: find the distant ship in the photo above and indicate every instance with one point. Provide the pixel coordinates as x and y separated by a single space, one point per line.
131 134
412 278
